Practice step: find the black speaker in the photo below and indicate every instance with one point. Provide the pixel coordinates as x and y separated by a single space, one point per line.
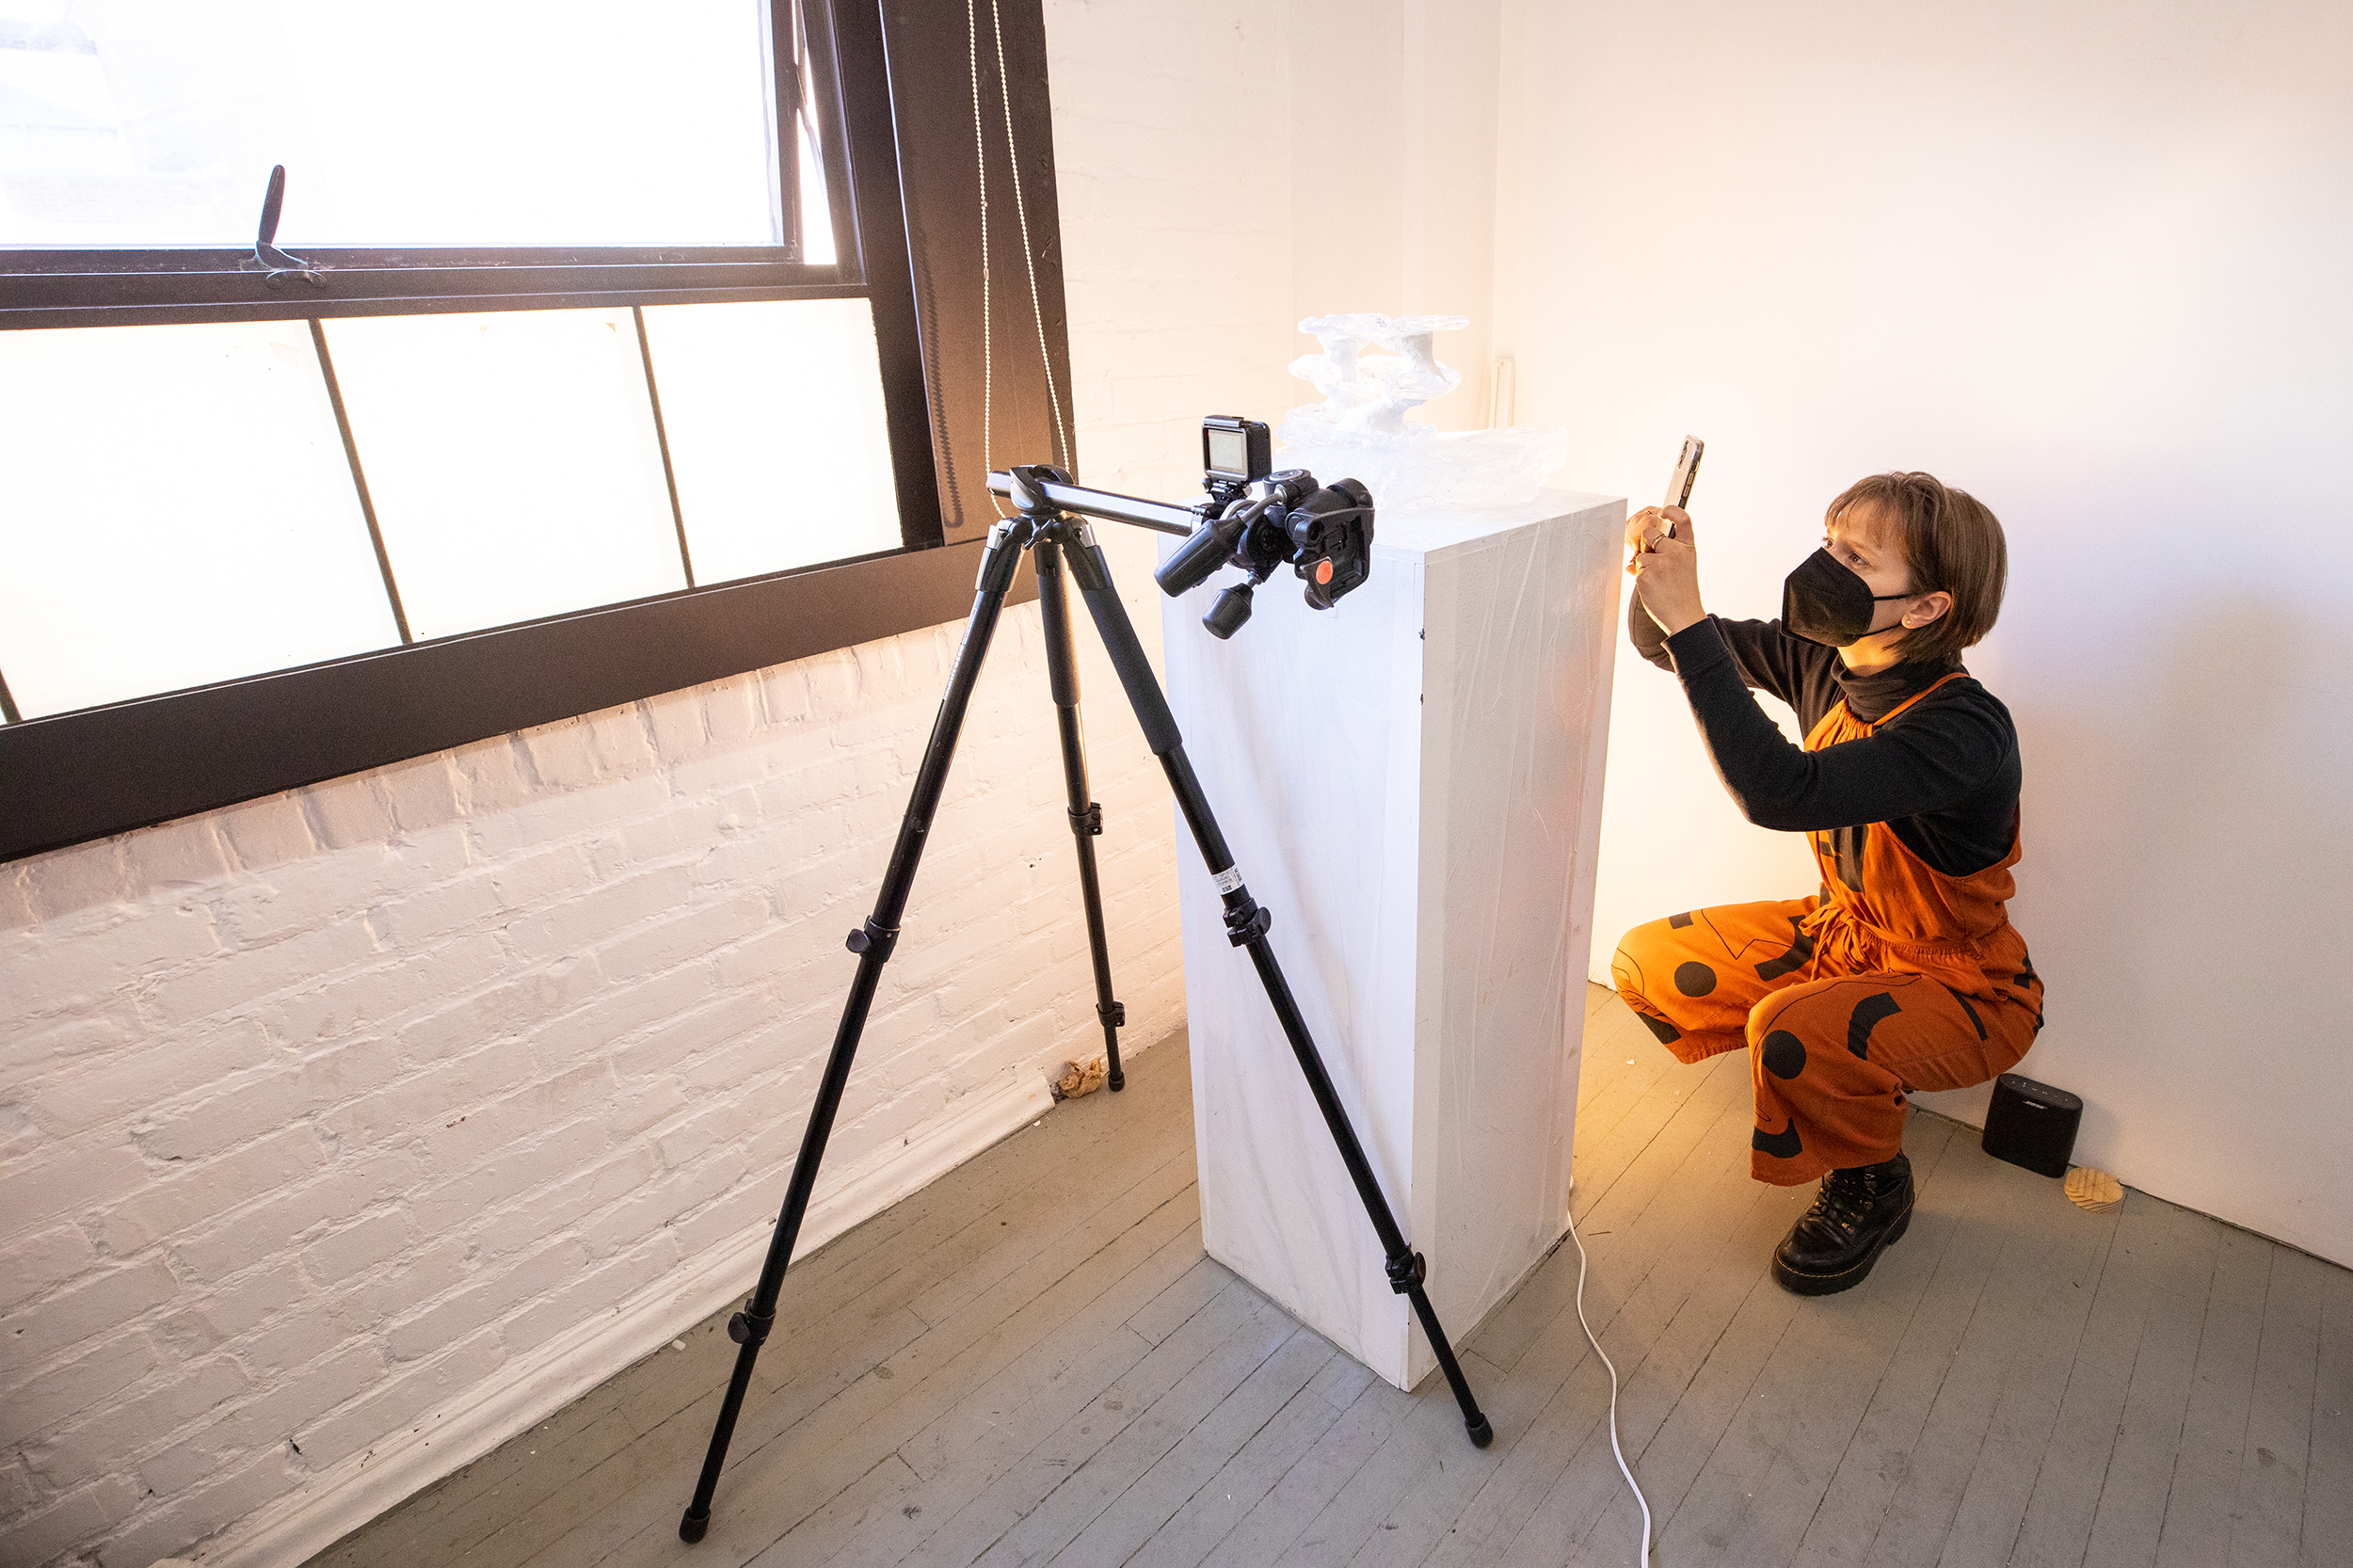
2032 1125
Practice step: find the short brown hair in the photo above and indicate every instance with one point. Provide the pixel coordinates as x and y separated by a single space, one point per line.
1953 542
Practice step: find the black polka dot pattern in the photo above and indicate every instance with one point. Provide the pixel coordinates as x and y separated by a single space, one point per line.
1800 952
1667 1033
1865 1017
1784 1054
1694 979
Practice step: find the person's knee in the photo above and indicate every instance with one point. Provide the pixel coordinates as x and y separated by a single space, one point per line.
1642 952
1784 1011
1626 971
1788 1026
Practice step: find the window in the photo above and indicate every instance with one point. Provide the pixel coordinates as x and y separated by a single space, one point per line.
582 362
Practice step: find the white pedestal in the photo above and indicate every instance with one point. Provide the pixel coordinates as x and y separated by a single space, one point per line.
1421 812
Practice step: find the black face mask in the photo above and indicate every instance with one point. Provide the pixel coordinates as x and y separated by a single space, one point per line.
1827 602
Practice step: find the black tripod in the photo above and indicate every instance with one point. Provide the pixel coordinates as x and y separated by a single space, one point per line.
1046 496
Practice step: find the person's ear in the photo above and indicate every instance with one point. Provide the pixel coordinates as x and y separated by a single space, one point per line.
1930 607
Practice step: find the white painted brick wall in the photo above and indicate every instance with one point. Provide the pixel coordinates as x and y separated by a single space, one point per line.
325 1109
330 1114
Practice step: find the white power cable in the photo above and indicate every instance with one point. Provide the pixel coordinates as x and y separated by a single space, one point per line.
1590 1338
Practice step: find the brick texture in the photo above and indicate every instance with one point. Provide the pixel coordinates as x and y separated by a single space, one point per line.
320 1110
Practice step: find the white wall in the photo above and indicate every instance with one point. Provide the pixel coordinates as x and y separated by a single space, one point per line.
1392 177
1226 172
2089 264
1172 147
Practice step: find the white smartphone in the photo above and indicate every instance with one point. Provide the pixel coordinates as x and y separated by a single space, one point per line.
1679 487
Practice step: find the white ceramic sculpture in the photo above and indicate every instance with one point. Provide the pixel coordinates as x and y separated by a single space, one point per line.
1359 431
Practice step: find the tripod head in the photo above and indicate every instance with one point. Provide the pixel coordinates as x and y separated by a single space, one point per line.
1323 533
1253 520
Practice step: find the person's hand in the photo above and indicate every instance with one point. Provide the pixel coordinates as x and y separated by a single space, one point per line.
1648 523
1666 570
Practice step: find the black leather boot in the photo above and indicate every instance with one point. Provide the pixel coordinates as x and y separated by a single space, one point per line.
1858 1215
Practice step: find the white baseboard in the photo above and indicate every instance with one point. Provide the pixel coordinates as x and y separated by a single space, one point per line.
533 1386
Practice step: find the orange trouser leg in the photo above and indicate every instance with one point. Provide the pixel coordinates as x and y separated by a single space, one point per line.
1830 1057
1693 977
1832 1060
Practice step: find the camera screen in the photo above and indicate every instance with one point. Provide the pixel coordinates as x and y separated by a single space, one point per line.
1229 451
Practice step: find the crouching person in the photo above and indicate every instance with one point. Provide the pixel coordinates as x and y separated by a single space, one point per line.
1904 972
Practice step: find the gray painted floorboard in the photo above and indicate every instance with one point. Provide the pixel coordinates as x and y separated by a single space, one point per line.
1032 1362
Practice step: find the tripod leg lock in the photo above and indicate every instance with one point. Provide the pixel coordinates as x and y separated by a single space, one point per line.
1089 822
1115 1014
1247 922
745 1328
878 939
1406 1272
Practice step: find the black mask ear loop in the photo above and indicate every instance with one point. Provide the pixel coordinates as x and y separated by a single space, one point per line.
1900 626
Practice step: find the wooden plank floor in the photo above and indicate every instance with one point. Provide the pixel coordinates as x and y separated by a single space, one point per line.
1032 1362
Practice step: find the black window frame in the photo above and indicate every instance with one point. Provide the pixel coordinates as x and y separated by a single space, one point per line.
894 116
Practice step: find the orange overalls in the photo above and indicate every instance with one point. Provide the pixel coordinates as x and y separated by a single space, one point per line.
1898 977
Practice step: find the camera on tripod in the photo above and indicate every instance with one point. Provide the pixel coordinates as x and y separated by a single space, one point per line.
1254 519
1259 520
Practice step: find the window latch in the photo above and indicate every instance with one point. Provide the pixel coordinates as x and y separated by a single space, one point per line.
265 252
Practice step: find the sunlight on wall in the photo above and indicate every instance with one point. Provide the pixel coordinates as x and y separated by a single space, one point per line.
2089 268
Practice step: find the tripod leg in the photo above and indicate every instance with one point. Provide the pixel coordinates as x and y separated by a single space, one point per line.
1086 818
872 943
1246 926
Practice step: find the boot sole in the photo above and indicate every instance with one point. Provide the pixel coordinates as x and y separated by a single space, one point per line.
1845 1279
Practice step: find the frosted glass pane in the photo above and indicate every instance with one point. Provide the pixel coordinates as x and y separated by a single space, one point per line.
512 461
468 122
176 509
775 416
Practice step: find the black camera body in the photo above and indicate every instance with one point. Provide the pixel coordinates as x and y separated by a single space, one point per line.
1259 520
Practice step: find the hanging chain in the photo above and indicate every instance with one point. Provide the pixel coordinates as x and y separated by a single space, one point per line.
988 368
1029 255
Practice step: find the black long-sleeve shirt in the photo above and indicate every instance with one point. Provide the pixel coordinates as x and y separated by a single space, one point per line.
1943 777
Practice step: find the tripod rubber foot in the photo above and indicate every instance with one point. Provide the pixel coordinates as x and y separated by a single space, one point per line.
693 1526
1480 1432
1117 1081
